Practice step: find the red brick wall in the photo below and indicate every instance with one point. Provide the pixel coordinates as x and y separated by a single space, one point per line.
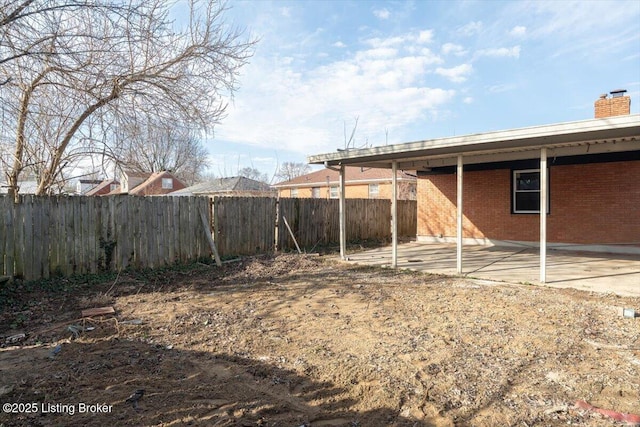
591 204
155 187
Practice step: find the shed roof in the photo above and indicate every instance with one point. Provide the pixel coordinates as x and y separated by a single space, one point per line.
611 134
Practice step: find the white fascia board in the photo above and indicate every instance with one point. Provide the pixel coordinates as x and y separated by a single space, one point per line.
547 135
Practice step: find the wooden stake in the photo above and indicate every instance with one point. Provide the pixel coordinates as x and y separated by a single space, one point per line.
207 231
291 232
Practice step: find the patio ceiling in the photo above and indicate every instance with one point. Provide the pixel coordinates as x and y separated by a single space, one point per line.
612 134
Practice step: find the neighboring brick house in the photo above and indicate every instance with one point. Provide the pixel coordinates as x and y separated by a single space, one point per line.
593 171
139 184
85 185
157 183
105 187
360 183
131 179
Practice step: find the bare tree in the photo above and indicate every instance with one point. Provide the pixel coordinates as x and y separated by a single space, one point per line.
253 173
290 170
21 22
106 63
149 146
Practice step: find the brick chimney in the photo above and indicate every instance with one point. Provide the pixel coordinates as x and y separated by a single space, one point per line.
618 104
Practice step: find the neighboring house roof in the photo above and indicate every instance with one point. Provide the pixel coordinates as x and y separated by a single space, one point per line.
103 188
153 185
117 190
131 179
353 175
593 136
89 181
233 185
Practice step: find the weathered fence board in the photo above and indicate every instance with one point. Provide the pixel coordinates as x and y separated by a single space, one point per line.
316 221
44 236
65 235
244 225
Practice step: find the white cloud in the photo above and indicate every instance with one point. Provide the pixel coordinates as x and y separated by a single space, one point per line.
378 52
382 13
502 52
454 49
386 42
504 87
285 11
518 31
468 100
470 29
339 44
425 36
430 57
456 74
407 40
304 110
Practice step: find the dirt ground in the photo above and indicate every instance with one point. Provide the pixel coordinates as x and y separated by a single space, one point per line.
308 341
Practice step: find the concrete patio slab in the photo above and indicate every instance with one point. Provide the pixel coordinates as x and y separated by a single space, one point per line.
590 271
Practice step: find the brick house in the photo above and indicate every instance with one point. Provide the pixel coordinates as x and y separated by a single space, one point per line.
139 184
83 186
360 183
103 188
591 196
157 183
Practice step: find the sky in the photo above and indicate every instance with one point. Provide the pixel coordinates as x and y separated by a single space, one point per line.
414 70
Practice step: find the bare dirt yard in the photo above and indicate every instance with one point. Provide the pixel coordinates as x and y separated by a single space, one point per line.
308 341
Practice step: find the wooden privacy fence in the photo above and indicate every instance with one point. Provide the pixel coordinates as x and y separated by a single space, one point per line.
246 226
65 235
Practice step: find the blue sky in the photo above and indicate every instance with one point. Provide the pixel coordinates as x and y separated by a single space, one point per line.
414 70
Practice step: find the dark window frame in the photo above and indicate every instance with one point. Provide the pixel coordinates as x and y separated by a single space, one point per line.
514 191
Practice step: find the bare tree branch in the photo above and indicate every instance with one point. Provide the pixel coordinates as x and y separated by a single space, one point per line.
290 170
70 72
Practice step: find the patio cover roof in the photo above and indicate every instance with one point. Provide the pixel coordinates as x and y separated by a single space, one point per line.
593 136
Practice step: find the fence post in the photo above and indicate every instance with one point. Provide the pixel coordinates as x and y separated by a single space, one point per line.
276 229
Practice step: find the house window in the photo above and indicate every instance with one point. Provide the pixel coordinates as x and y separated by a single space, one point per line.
167 183
526 191
333 192
374 191
315 192
294 192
